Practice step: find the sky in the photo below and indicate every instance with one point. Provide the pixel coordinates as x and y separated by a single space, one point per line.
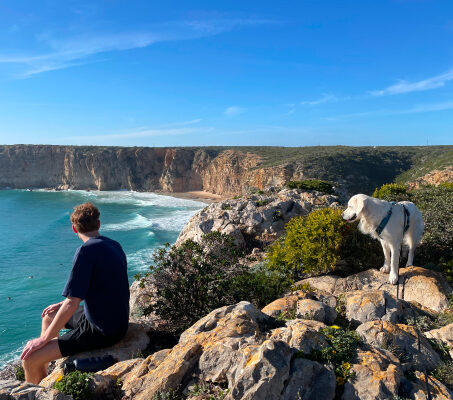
232 73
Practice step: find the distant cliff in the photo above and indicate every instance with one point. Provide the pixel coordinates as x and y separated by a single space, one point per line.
220 170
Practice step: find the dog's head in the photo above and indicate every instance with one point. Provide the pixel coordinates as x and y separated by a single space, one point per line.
356 207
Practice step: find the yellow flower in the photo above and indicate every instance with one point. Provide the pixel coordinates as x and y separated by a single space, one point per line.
346 365
340 380
334 352
335 327
59 378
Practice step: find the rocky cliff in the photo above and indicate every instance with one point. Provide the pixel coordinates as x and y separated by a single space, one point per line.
221 170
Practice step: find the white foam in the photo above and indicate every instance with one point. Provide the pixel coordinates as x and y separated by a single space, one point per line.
11 356
138 222
141 260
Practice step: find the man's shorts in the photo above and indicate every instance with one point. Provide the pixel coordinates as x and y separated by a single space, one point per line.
83 336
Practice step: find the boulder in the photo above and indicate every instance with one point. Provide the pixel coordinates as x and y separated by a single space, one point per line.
445 334
369 305
402 340
313 309
377 376
309 380
301 335
418 389
16 390
415 283
135 341
286 304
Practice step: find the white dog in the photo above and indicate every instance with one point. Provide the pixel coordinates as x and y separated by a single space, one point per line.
393 224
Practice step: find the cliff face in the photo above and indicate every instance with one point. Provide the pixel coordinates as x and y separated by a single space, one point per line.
223 171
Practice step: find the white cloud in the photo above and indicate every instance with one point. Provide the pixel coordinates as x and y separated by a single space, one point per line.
407 87
67 52
325 98
233 110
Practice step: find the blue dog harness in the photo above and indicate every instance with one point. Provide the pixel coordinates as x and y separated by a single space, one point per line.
386 219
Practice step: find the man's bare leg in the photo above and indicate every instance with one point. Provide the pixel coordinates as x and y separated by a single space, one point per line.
35 366
46 321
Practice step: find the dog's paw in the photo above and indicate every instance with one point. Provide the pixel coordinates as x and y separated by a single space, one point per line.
385 269
409 265
393 279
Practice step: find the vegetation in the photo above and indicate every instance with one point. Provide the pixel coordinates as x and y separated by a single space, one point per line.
316 243
341 349
172 394
19 373
311 184
207 392
76 384
445 374
195 278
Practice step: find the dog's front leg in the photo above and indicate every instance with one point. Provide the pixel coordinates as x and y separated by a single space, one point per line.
386 249
395 259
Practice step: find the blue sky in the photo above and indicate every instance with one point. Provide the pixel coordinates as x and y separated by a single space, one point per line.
181 73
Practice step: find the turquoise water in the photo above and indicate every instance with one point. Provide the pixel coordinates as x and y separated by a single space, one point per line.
37 246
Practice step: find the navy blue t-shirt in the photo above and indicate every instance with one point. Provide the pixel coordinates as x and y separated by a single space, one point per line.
99 276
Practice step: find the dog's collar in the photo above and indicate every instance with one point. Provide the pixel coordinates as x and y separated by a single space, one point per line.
385 220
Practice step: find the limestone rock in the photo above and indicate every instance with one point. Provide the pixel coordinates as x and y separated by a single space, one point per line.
135 341
403 340
301 335
310 380
377 376
370 305
417 390
445 334
414 284
256 219
312 309
16 390
286 303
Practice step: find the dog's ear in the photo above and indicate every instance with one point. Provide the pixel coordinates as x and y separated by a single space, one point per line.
362 206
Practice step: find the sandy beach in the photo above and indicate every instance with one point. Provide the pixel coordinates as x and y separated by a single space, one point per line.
199 195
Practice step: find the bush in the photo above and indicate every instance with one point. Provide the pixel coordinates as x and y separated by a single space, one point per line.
193 279
19 373
392 192
75 384
316 243
311 184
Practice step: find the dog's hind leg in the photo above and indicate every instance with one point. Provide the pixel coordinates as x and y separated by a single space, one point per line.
386 249
410 257
395 259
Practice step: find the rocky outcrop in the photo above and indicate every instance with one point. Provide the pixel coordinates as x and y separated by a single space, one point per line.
255 220
425 287
434 177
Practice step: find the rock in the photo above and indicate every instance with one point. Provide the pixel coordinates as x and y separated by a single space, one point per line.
255 220
301 335
402 340
377 376
370 305
445 334
418 391
16 390
239 322
286 304
262 372
312 309
309 380
414 284
434 177
135 341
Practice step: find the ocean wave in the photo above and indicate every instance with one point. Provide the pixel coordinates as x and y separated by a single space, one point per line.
6 358
141 260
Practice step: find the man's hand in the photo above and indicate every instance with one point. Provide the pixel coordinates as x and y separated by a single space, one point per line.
33 345
51 309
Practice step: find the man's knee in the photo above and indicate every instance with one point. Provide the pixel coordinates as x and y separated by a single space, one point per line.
48 318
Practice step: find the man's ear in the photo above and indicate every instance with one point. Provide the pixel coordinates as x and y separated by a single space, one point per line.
74 229
99 224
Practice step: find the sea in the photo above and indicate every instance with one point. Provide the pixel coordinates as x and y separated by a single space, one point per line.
37 246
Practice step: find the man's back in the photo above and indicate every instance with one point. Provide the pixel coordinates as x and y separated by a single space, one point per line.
99 276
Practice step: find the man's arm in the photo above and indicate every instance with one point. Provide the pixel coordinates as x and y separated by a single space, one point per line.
67 309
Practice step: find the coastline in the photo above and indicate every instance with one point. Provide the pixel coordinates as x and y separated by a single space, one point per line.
199 195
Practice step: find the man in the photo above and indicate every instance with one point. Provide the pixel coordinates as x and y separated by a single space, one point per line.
99 277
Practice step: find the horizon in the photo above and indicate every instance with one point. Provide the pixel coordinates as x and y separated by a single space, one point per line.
135 74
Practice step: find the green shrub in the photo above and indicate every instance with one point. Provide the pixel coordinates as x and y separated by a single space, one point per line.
193 279
172 394
316 243
392 192
19 373
445 374
311 184
207 391
76 384
341 349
